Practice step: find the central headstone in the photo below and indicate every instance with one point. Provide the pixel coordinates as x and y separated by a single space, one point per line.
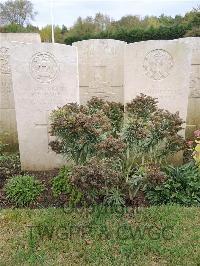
159 69
101 64
45 76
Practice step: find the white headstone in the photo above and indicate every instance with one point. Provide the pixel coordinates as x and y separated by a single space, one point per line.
193 115
7 106
101 64
160 69
45 76
20 37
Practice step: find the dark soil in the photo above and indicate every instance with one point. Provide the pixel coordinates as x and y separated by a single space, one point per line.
45 200
10 166
48 200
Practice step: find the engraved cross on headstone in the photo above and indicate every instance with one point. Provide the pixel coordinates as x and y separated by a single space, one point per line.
99 85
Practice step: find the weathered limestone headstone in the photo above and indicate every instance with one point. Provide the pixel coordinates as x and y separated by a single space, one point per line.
101 64
7 107
160 69
20 37
45 76
193 116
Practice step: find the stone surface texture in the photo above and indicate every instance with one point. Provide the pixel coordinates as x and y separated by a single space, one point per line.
45 76
101 64
160 69
20 37
193 112
8 125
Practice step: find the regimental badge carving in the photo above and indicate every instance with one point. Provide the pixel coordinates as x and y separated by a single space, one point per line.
43 67
158 64
4 61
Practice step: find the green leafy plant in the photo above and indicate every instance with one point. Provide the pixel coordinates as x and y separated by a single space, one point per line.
110 147
192 150
95 178
113 149
151 131
99 127
182 186
114 198
142 178
23 190
196 152
114 111
78 131
61 185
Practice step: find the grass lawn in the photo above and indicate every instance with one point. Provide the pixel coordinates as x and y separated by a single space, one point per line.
166 235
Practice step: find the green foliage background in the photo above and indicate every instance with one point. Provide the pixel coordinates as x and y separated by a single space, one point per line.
129 28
